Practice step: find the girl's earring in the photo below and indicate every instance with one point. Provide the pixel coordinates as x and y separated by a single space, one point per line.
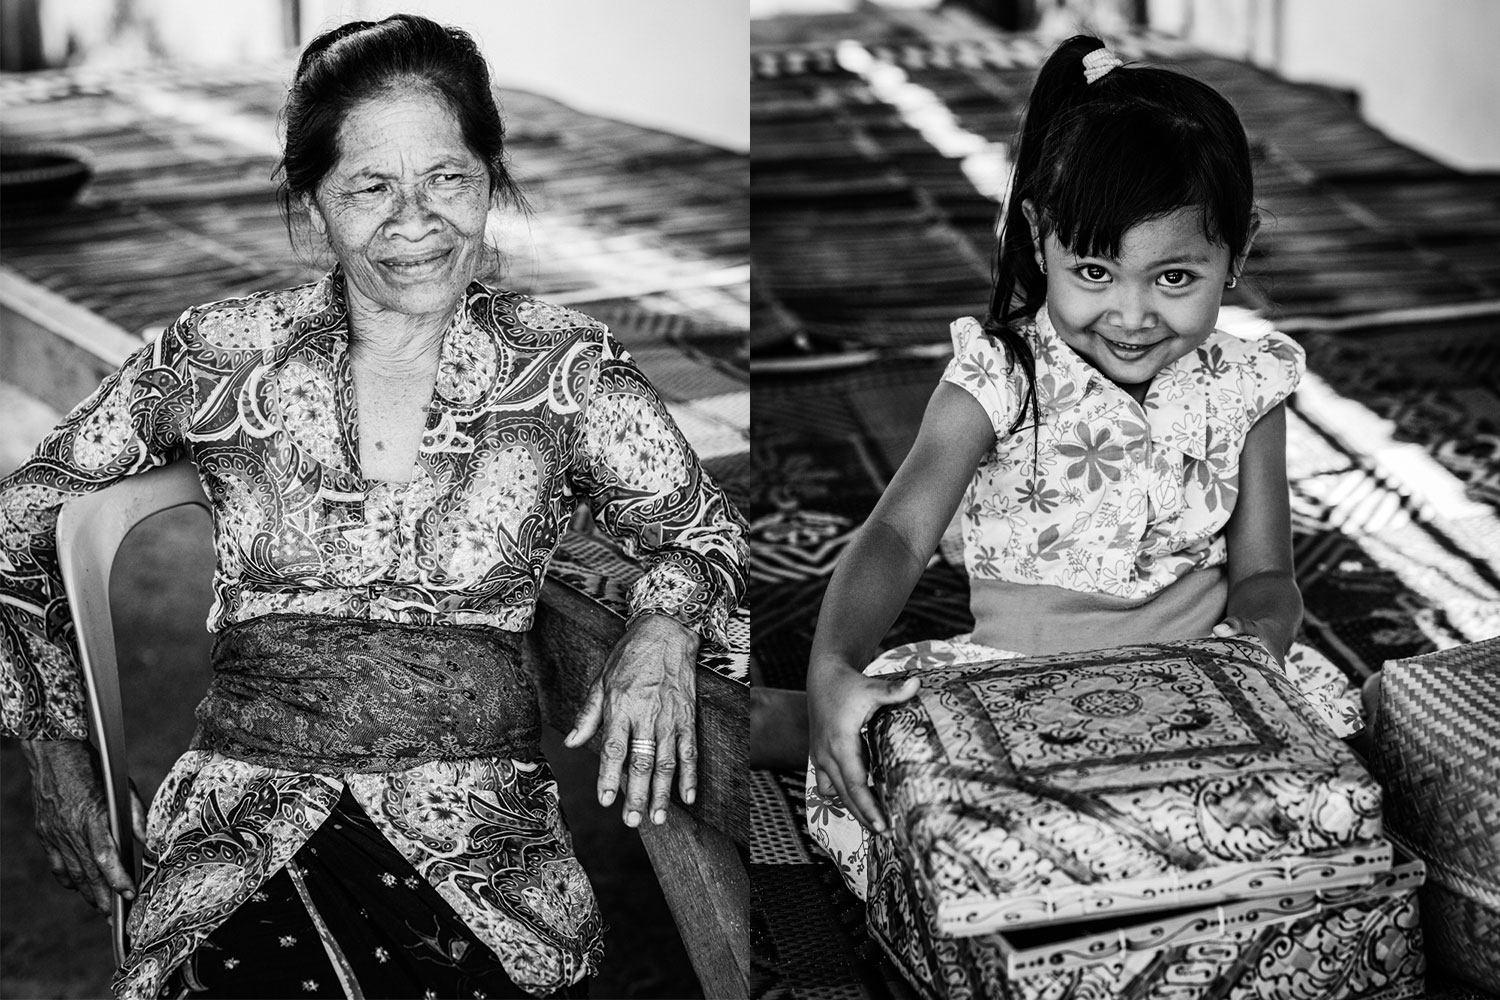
1234 279
1041 262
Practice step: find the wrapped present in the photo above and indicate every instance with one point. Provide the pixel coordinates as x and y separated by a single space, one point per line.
1358 942
1140 778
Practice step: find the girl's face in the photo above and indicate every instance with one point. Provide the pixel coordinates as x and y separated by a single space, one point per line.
1132 315
405 205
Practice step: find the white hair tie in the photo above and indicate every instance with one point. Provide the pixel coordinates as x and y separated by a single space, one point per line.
1098 63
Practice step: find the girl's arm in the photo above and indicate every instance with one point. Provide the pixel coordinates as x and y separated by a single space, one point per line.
1263 597
871 584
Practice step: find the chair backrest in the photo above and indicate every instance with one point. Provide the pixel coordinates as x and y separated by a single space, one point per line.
89 532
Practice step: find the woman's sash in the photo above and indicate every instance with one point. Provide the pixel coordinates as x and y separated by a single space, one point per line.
335 695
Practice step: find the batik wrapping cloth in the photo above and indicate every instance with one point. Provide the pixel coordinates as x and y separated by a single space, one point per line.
1359 941
1137 778
334 696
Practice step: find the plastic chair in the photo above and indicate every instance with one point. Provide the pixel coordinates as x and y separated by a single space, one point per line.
89 532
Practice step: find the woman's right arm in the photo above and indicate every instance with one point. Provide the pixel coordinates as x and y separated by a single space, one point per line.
871 584
133 422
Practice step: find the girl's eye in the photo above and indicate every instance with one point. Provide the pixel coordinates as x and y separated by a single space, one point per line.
1092 272
1176 279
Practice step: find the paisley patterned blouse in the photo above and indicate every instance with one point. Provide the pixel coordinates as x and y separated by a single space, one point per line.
1109 496
535 409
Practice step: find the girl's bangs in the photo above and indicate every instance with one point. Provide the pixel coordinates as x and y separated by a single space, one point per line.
1129 169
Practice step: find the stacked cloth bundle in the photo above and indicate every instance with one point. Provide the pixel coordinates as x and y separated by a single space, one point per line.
1437 753
1164 819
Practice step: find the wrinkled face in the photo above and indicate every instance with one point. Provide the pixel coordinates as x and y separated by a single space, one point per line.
404 206
1132 315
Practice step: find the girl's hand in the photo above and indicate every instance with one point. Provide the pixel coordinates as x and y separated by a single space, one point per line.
73 821
647 692
840 702
1233 626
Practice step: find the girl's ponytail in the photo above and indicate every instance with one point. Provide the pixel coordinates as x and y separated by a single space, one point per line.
1020 287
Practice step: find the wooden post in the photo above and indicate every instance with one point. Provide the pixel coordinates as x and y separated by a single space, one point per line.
21 36
707 888
694 854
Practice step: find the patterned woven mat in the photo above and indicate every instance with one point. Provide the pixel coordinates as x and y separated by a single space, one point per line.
1354 222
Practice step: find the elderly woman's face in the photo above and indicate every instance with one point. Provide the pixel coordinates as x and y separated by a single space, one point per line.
404 207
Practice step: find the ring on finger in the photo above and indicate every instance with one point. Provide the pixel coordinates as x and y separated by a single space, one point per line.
642 747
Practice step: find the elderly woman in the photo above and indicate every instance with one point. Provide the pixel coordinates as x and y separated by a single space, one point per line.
391 454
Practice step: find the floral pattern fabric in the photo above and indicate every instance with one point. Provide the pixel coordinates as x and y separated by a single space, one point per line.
1107 495
535 409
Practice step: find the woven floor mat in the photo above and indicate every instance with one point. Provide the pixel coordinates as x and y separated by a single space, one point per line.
846 172
182 205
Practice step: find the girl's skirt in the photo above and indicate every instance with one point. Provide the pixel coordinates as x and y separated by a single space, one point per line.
835 829
348 916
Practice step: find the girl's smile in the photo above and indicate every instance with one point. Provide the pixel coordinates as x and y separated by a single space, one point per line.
1132 315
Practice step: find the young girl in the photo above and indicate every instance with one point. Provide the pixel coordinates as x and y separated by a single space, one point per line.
1120 464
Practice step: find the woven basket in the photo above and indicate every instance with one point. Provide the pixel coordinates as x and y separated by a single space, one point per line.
1436 749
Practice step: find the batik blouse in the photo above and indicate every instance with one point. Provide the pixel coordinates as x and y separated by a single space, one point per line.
1107 495
535 409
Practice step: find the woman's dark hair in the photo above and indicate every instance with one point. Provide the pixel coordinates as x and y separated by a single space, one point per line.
361 60
1096 159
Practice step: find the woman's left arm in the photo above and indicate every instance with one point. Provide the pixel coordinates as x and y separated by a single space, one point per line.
1263 597
647 488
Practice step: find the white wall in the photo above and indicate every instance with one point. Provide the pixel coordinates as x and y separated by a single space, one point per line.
1427 72
677 65
94 32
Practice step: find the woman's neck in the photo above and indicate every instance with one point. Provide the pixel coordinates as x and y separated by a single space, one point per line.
383 341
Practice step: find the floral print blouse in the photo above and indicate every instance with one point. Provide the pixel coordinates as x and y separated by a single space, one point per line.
535 409
1108 496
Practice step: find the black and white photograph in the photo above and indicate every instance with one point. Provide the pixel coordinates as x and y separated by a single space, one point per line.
776 499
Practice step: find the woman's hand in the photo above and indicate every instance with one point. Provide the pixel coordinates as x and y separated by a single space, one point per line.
840 701
73 821
647 691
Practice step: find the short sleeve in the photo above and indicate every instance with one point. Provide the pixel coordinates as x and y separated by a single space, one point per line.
1273 368
980 368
